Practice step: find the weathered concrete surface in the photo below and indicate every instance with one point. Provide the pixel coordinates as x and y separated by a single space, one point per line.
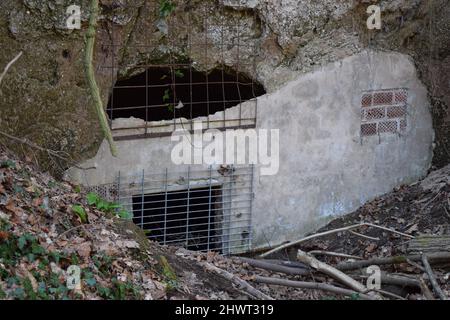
326 167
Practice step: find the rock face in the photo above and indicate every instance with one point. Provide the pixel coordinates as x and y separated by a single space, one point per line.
44 97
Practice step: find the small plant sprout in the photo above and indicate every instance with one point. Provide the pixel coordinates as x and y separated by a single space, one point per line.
108 207
81 213
166 7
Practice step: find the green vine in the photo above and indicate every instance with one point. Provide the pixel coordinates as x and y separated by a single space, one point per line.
89 69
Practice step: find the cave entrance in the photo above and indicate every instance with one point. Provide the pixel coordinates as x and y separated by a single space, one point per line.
190 218
168 93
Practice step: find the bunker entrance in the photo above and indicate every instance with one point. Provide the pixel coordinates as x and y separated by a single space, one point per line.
199 209
190 218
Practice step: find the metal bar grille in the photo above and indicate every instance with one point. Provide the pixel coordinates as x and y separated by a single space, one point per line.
206 209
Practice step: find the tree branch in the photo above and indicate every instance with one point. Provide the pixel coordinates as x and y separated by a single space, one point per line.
437 256
334 254
49 152
331 271
312 285
275 267
9 66
432 278
241 284
290 244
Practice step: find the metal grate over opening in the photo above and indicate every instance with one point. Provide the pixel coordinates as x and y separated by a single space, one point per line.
192 218
198 209
205 70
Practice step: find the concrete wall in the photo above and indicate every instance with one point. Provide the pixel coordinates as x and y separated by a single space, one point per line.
326 167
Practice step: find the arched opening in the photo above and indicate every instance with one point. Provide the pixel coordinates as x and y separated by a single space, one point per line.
179 91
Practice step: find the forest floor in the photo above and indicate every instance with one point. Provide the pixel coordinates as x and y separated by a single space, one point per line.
47 226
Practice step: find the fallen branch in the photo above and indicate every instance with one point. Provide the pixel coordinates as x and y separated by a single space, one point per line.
314 286
334 254
241 284
275 267
415 264
429 243
389 294
290 244
32 145
437 289
80 226
433 257
425 290
9 66
393 279
363 236
89 69
331 271
288 263
49 152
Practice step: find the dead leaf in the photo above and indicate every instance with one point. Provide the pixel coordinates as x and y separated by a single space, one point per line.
4 235
55 268
370 248
37 202
107 247
62 243
400 220
130 244
23 271
31 220
84 249
8 182
248 278
10 206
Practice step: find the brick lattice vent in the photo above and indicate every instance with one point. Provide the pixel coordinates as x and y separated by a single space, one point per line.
384 111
